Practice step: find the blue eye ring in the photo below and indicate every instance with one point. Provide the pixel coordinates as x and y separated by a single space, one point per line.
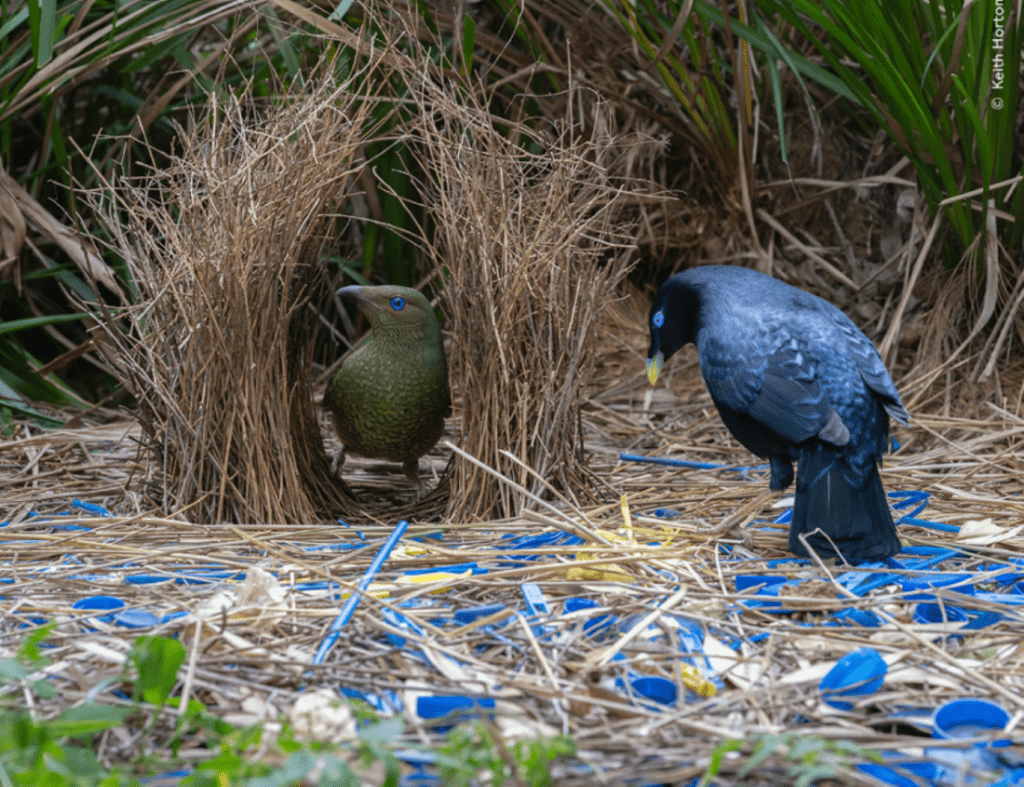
658 319
398 303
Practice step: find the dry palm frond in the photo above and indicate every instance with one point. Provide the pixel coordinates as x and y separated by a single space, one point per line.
225 248
532 246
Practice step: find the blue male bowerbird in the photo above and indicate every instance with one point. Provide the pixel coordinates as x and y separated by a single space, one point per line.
794 380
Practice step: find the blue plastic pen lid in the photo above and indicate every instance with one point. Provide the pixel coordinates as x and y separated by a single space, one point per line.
969 718
857 673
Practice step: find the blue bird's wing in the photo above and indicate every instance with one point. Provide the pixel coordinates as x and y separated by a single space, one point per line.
872 370
777 387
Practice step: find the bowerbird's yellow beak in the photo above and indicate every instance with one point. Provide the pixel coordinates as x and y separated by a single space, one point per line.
654 366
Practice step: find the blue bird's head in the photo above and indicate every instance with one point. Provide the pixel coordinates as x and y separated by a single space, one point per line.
673 323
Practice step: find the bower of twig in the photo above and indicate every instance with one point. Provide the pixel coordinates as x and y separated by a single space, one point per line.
224 247
532 248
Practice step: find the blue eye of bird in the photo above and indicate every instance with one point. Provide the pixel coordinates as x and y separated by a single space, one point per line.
398 303
658 319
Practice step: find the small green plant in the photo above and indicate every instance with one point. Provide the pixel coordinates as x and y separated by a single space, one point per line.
54 751
810 757
472 747
59 751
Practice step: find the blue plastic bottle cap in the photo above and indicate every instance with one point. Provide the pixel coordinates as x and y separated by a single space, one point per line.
136 619
654 688
933 613
98 602
968 718
857 673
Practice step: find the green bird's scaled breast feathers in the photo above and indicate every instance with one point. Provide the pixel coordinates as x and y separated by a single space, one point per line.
389 398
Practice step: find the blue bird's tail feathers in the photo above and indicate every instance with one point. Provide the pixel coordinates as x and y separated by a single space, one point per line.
853 512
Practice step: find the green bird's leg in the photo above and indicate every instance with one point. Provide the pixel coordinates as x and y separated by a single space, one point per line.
411 468
339 460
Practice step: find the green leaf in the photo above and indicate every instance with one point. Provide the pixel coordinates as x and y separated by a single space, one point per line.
12 672
382 732
339 13
765 747
336 773
42 20
13 326
86 719
157 660
468 42
808 776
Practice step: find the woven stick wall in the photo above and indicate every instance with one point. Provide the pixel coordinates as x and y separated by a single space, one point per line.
532 247
224 246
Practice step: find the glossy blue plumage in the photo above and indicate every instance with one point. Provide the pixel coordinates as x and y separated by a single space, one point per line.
794 379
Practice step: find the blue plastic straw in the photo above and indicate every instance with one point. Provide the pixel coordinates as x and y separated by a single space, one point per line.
353 601
660 460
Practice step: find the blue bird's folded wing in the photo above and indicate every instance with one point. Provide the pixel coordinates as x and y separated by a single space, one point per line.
872 369
780 391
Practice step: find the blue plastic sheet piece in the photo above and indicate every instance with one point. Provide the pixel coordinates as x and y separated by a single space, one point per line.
465 616
596 625
452 709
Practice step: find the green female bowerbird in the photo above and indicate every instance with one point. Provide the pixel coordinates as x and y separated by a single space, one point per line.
390 397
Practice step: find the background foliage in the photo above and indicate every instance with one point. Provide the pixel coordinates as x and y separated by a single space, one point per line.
747 97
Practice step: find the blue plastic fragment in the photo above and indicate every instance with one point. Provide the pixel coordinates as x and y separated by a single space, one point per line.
148 579
536 604
942 527
1009 599
858 617
744 581
894 774
334 547
660 460
910 497
452 708
983 620
458 568
464 616
594 626
667 513
91 508
168 778
401 622
858 673
388 702
935 613
954 583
